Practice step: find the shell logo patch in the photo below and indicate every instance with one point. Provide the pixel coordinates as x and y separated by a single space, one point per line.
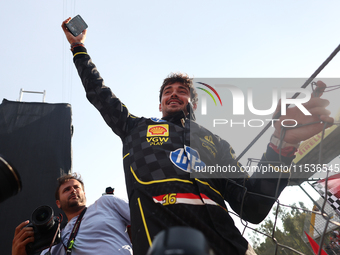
158 130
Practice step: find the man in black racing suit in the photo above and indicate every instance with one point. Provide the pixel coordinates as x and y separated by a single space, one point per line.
157 165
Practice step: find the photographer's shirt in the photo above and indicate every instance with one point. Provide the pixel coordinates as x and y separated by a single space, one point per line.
102 229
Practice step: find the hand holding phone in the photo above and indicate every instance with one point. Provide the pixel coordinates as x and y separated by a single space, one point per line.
76 25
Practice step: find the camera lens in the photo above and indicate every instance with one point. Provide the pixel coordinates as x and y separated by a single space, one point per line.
10 183
42 218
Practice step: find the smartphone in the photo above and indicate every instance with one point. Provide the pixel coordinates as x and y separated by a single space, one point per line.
76 25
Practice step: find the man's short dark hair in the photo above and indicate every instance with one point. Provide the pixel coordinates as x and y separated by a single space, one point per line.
65 178
184 80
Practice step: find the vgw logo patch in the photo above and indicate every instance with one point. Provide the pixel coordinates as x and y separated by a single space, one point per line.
157 134
186 159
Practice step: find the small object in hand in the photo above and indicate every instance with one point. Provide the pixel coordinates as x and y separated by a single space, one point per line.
76 25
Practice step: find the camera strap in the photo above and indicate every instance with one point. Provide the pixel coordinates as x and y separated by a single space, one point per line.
57 232
74 233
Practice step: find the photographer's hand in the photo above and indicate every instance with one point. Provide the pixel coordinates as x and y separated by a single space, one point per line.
71 39
22 237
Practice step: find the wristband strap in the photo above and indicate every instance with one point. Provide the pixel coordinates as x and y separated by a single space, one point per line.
276 142
73 45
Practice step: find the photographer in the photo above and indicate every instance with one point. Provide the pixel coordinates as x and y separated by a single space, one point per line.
102 227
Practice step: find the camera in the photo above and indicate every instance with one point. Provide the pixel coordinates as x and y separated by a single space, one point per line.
10 182
180 240
46 228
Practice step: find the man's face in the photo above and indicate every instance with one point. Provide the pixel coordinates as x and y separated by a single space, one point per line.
71 196
175 97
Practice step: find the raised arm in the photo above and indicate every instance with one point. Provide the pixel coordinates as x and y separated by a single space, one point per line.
113 111
253 198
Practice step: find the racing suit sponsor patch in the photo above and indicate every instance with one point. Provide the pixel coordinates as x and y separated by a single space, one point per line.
209 145
157 134
187 159
158 130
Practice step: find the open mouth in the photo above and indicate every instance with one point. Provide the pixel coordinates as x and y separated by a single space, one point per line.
174 102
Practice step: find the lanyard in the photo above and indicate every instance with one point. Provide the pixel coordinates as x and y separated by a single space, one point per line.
74 232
